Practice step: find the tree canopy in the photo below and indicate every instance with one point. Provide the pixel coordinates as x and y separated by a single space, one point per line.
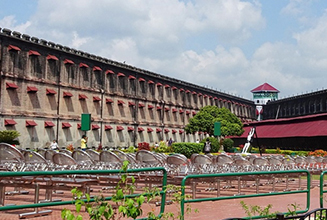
204 121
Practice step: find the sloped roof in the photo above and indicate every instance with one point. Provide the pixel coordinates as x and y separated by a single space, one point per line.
303 126
264 88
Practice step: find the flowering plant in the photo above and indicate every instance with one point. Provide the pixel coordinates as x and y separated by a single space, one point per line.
321 153
70 147
143 146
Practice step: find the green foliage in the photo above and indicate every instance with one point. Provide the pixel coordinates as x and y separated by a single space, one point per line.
256 210
123 206
228 144
130 149
9 136
214 144
163 148
293 209
187 148
204 121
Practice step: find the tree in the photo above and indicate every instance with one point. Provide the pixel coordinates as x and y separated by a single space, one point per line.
9 136
204 121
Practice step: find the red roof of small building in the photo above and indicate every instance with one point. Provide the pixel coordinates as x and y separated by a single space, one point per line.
264 88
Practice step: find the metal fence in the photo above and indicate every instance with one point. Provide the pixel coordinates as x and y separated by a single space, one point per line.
17 177
210 178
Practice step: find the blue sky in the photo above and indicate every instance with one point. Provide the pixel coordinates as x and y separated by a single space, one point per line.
231 45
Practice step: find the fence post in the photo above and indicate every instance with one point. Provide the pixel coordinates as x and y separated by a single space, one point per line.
280 216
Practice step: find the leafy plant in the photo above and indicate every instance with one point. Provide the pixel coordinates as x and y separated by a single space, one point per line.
228 144
256 210
187 148
9 136
122 205
204 121
130 149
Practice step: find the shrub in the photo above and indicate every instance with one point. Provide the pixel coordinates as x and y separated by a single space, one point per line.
9 136
214 144
228 144
316 153
130 149
143 146
187 148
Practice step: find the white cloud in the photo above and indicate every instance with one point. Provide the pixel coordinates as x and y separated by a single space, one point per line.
77 41
10 23
166 37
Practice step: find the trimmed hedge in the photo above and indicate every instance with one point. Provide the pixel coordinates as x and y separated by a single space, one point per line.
187 148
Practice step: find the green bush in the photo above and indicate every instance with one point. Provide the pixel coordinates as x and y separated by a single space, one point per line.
163 148
9 136
228 145
187 148
214 144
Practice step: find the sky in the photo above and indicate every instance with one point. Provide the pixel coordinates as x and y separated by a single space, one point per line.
231 46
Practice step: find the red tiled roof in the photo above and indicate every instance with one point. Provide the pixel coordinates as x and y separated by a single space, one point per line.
50 92
109 71
95 127
67 94
82 96
52 57
12 47
33 52
66 125
83 65
107 127
9 122
11 85
305 126
120 128
67 61
48 124
120 102
264 88
109 100
32 89
96 68
30 123
141 105
96 99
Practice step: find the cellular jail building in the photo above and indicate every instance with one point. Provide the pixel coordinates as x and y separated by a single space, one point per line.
46 87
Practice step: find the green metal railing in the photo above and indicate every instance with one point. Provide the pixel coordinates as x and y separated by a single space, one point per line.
322 191
224 175
86 172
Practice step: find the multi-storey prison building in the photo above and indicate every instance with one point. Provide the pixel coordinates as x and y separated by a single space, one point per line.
45 87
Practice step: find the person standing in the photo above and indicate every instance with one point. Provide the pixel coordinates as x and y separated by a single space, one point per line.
170 142
207 146
84 142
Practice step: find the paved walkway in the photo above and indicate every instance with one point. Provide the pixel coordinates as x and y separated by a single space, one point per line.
207 210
